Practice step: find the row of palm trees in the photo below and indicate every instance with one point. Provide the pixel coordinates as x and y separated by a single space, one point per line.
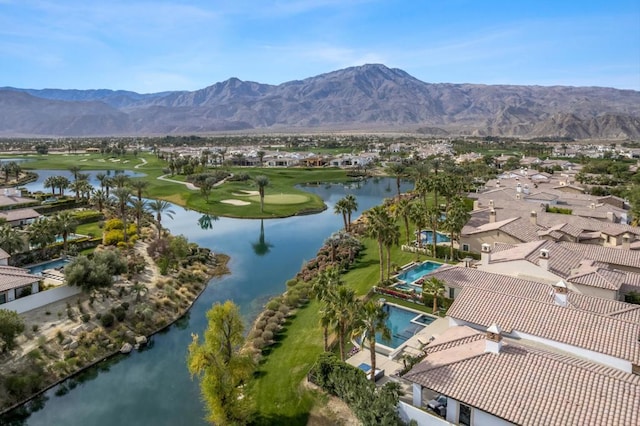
346 315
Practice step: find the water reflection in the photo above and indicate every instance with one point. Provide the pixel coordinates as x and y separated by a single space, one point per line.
261 247
206 221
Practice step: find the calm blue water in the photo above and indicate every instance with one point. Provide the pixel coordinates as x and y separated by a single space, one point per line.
419 271
52 264
153 387
427 237
400 325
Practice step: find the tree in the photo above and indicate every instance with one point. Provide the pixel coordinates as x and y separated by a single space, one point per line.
122 195
262 182
432 216
398 170
50 182
139 186
341 311
10 326
139 208
351 205
160 207
64 224
391 238
261 155
324 288
11 240
341 208
222 366
434 287
88 275
42 232
99 199
371 318
378 224
402 209
457 217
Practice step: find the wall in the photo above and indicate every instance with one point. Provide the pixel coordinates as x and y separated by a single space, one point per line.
42 298
423 418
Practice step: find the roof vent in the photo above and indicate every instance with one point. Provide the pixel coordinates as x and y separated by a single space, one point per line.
544 253
560 293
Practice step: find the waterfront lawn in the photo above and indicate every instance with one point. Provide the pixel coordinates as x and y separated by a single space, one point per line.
278 391
92 229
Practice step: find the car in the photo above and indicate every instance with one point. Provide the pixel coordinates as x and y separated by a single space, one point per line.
438 405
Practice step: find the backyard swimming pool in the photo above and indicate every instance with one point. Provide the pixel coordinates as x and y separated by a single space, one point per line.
51 264
427 237
419 271
403 324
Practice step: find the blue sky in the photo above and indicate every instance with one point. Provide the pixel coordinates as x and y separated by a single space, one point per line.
157 45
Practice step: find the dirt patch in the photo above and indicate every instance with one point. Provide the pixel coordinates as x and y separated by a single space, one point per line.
235 202
331 411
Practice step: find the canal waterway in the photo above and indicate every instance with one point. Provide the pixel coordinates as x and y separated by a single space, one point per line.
153 386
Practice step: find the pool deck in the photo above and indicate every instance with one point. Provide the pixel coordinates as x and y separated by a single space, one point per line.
412 347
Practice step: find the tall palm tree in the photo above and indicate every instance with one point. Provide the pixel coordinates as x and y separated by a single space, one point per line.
351 205
418 215
50 182
99 199
391 238
139 185
262 182
261 155
160 207
65 224
434 287
341 308
341 208
433 219
371 318
401 210
457 217
101 178
122 197
324 288
11 240
74 172
378 223
120 180
62 183
139 208
397 170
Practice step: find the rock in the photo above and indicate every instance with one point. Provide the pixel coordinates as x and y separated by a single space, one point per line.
66 341
130 334
136 347
141 340
89 326
126 348
111 347
73 345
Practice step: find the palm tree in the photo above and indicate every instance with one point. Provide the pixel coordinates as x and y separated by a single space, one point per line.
341 311
159 207
371 318
432 216
62 183
351 205
457 217
418 215
391 238
99 199
123 198
435 288
139 208
397 170
50 182
65 224
11 240
74 172
402 209
378 223
41 233
262 182
101 178
139 289
324 288
139 185
341 208
261 155
120 180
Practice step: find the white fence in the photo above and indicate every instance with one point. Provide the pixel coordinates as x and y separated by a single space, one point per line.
37 300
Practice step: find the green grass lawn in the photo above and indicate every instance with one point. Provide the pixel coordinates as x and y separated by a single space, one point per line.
92 229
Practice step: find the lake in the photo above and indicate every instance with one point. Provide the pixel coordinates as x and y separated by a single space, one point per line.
153 387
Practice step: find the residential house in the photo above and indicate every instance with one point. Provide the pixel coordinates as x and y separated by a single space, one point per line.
16 283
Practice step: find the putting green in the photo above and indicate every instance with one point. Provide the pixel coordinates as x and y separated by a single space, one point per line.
282 199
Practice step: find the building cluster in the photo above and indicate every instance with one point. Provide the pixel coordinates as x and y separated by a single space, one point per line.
539 332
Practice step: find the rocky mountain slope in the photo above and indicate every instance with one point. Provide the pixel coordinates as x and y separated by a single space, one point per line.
369 97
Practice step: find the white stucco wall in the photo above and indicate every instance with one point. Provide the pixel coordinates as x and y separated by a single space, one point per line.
409 412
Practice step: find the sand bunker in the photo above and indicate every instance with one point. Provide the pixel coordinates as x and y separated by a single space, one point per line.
235 202
245 193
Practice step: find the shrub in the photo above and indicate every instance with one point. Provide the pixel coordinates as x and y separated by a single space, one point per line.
107 320
113 224
258 343
267 336
85 317
119 313
272 326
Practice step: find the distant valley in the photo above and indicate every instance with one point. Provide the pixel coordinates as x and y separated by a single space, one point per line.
365 98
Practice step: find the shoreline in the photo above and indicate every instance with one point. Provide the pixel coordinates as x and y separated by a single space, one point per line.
219 269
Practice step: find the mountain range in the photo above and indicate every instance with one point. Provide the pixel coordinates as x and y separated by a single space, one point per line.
364 98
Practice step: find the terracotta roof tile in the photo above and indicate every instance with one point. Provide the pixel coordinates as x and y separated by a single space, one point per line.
612 256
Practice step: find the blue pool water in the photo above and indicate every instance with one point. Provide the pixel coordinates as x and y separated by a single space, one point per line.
403 324
427 237
419 271
52 264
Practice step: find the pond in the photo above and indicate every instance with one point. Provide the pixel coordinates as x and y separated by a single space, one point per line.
153 387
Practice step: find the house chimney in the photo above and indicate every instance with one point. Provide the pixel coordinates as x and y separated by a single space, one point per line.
543 259
533 218
485 255
592 205
560 293
519 187
493 339
626 241
491 204
492 216
518 196
476 204
525 189
611 217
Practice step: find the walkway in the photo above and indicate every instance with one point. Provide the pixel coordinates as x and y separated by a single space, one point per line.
144 161
189 185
